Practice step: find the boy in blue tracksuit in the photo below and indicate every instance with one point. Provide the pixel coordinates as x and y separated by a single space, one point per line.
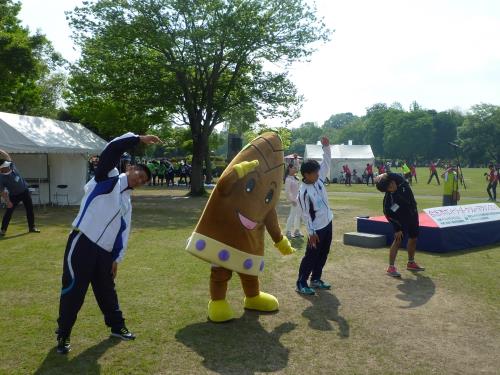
99 239
318 216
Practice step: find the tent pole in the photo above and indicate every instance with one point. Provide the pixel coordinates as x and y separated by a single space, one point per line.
48 178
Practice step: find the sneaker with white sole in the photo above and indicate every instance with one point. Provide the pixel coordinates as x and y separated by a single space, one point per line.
122 333
320 284
304 289
63 345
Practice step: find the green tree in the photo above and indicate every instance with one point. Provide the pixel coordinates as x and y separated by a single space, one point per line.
480 133
111 90
445 130
284 133
26 62
241 120
354 131
407 135
375 125
339 120
208 55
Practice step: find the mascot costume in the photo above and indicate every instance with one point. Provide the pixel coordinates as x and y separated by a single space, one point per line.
230 232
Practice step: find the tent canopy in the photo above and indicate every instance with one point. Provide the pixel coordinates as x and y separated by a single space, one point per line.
356 156
38 135
341 152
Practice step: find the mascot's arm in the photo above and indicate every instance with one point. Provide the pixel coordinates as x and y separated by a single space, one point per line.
280 241
240 170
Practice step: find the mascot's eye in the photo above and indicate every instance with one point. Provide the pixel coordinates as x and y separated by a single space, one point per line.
250 185
269 196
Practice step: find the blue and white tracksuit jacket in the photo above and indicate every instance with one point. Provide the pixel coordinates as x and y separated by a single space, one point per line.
313 198
106 211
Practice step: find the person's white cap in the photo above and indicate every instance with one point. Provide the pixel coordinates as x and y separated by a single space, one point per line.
5 164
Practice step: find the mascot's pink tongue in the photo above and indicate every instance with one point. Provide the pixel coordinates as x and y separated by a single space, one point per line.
247 223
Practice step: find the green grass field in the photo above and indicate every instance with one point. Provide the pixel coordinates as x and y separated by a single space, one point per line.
443 321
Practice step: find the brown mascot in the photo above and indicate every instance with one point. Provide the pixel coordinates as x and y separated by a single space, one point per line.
230 232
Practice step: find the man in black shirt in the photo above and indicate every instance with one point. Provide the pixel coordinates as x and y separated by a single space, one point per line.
14 190
400 208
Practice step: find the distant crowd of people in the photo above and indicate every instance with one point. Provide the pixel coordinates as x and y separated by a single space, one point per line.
163 171
450 176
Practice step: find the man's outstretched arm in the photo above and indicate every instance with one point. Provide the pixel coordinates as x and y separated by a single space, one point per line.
110 157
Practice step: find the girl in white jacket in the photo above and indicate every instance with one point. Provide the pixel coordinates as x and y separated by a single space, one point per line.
292 191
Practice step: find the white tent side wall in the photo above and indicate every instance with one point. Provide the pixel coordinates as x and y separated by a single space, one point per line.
65 169
355 156
68 170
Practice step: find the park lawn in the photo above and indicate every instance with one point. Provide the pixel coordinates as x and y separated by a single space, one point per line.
475 182
444 320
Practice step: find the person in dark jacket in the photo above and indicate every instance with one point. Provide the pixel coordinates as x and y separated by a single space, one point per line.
400 209
14 190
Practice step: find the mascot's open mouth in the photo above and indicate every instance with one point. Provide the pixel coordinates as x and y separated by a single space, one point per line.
246 222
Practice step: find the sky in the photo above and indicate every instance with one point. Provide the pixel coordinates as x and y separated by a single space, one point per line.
443 53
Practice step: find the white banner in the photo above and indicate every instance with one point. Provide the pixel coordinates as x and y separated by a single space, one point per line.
450 216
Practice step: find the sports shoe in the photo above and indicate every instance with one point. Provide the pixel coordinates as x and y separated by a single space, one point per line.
289 235
2 233
122 333
34 230
412 266
392 271
304 289
297 234
63 345
320 284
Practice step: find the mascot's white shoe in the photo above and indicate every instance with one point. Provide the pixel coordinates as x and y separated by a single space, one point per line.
262 302
219 311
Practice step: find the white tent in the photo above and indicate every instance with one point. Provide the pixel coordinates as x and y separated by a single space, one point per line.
355 156
49 152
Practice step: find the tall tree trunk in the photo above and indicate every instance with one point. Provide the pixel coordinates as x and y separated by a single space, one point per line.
208 166
199 150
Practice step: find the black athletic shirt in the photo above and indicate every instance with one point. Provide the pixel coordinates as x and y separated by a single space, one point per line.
400 207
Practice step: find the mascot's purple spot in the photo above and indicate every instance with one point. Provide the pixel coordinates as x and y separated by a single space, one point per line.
224 255
261 265
200 245
247 264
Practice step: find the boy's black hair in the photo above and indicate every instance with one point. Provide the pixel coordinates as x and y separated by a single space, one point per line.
309 166
144 168
383 184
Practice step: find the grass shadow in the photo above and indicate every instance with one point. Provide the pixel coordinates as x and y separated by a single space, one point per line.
6 238
324 309
416 291
241 346
84 363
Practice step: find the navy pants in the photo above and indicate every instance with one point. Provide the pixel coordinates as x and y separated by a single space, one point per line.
86 263
315 258
28 206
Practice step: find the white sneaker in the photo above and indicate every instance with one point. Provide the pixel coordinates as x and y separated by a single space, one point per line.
289 235
298 234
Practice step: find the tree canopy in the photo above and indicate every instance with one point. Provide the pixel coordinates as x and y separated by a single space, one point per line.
415 134
28 84
202 60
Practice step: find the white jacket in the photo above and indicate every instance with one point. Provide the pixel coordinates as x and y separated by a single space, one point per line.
106 211
313 198
292 188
